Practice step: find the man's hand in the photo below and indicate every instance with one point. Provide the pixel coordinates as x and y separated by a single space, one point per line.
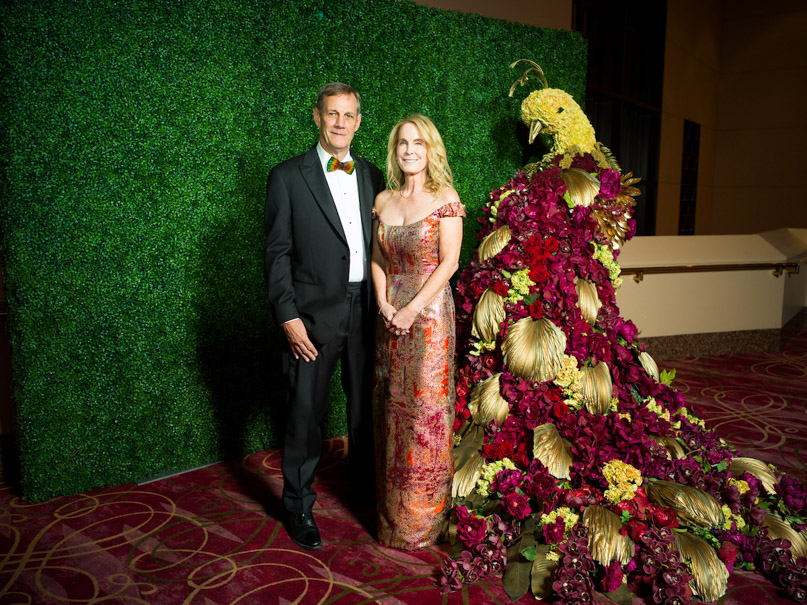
298 339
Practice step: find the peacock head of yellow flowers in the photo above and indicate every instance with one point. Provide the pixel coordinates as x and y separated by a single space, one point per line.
554 112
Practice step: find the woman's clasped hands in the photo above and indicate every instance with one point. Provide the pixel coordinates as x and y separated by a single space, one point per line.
397 322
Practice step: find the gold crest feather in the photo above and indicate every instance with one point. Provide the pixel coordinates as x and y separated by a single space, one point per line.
581 186
649 364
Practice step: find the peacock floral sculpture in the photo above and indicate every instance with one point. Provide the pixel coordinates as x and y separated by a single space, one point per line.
577 466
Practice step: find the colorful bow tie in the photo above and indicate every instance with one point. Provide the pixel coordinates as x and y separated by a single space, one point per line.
334 164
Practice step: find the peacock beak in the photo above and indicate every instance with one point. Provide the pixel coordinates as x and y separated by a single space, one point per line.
535 128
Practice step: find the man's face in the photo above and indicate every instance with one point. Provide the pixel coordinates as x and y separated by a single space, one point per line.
338 122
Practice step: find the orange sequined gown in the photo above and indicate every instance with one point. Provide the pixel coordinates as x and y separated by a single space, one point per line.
413 399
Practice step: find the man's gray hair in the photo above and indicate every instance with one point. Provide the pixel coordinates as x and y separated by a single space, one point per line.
334 89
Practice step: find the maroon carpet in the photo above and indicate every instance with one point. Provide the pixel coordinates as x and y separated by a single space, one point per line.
212 536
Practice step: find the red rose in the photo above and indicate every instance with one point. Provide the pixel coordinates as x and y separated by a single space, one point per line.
472 530
536 310
476 289
635 529
551 245
577 498
727 553
490 451
560 410
554 395
665 517
506 450
539 275
500 288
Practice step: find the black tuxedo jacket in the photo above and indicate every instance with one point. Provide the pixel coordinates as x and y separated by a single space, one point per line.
306 256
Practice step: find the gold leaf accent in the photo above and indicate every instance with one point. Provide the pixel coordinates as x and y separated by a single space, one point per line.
758 469
542 574
649 365
597 387
613 225
468 462
694 507
779 528
675 451
605 543
709 574
494 243
533 349
487 403
552 450
488 316
582 186
587 300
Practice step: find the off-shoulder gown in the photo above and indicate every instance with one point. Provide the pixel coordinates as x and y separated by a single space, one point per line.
413 399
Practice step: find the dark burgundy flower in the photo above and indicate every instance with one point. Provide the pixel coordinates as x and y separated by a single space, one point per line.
792 492
517 505
472 530
613 577
553 533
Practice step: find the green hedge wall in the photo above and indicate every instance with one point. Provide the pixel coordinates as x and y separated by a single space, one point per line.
137 137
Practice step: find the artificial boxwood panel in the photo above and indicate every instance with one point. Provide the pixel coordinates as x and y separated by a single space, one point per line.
137 137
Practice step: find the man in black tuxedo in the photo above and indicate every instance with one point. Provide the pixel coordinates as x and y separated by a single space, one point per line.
318 220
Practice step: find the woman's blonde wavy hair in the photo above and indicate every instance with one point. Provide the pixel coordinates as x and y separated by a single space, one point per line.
438 173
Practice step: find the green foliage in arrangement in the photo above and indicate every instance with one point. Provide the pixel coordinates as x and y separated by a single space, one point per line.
137 137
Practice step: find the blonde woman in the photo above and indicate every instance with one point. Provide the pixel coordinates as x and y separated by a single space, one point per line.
418 233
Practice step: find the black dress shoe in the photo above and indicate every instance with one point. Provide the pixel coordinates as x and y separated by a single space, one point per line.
303 531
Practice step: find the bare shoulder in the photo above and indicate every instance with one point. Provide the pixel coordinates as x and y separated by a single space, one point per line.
382 200
448 195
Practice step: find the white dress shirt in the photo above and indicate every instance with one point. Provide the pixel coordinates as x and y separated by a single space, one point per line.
345 192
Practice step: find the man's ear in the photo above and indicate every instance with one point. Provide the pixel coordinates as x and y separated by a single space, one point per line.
316 117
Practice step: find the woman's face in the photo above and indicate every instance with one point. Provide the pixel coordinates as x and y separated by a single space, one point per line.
411 151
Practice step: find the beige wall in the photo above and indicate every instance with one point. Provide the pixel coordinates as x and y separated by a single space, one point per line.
739 69
556 14
691 74
762 118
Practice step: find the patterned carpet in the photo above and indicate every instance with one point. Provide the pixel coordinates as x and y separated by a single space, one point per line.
212 536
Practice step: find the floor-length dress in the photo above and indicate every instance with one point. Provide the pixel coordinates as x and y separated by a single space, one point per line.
413 402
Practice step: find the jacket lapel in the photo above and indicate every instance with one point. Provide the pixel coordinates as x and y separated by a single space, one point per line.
365 200
311 171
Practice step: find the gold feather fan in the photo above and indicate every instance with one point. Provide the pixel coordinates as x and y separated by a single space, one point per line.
493 243
649 365
597 387
582 186
605 542
587 299
468 461
488 316
709 574
486 402
694 507
533 349
675 451
552 450
758 469
779 528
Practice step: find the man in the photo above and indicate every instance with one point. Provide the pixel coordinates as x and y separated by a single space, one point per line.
318 220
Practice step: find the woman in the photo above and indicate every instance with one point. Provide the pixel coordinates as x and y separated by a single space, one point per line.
415 252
